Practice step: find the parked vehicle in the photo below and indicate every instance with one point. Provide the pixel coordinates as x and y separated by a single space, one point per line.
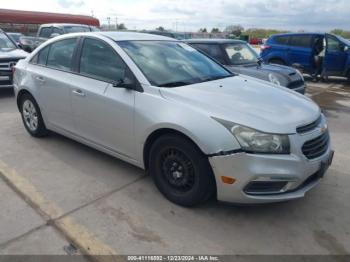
175 35
255 41
239 57
47 31
301 48
9 55
161 105
15 37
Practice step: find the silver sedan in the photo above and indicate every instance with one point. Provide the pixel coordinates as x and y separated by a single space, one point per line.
163 106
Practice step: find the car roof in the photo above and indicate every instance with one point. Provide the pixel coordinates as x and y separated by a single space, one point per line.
302 33
132 36
59 24
214 41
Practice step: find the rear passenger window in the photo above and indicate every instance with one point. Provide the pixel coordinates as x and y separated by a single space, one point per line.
61 54
301 41
282 40
41 57
212 50
100 61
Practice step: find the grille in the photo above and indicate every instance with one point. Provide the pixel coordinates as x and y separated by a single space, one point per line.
7 65
309 127
295 84
316 147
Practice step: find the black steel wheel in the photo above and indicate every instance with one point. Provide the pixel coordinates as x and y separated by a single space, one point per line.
181 171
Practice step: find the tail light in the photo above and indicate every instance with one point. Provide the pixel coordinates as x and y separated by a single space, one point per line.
265 47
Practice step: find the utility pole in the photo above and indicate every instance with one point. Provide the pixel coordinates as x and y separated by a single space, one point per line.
109 23
116 23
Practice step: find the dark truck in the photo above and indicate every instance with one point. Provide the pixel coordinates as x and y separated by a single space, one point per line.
47 31
10 53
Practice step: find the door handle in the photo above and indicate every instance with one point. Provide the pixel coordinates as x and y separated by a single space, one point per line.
40 78
78 92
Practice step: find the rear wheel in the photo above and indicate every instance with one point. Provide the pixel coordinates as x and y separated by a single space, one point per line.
277 62
31 116
181 172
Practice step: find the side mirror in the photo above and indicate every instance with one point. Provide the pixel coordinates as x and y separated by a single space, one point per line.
54 35
126 83
346 48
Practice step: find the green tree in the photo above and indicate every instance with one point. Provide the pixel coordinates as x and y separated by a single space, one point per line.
236 30
121 26
341 32
215 30
203 30
160 28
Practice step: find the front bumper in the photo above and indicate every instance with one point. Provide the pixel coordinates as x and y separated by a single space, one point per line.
299 174
300 89
6 79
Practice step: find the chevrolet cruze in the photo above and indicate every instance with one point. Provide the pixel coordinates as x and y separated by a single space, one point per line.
157 103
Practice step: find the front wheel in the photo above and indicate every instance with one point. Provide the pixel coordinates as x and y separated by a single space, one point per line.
31 116
181 172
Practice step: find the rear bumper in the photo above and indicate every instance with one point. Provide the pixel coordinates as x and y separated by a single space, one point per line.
298 173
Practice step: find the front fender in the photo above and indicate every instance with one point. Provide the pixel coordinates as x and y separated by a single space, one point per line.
153 112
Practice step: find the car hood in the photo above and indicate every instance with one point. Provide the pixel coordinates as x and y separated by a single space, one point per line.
284 73
13 54
249 102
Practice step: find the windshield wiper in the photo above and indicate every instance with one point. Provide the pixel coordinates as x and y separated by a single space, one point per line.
212 78
175 84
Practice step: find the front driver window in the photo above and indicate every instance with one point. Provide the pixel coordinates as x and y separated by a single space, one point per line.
100 61
333 44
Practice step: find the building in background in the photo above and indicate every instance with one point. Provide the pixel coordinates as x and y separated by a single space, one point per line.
27 22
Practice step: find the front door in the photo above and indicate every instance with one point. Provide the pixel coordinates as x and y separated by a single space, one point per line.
103 114
300 51
335 57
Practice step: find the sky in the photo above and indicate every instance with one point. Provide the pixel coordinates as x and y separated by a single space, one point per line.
190 15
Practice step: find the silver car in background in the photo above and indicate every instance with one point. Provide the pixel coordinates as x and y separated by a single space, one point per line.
163 106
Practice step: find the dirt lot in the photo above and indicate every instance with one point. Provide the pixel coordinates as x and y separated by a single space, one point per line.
55 191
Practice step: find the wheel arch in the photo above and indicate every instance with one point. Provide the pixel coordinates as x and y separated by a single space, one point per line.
278 59
20 94
157 134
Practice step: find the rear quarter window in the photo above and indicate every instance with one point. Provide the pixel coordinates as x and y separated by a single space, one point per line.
282 40
301 41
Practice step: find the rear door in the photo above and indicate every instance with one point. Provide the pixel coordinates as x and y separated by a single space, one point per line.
335 56
103 114
300 51
55 81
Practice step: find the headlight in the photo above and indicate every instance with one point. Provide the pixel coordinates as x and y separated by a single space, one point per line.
253 141
274 79
300 74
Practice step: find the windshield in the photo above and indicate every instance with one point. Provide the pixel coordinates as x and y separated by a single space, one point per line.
240 54
76 29
346 41
15 37
5 43
170 64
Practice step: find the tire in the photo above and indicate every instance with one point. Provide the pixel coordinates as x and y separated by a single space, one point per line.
181 172
277 62
31 116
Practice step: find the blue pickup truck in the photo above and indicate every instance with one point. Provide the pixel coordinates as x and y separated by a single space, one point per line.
300 49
